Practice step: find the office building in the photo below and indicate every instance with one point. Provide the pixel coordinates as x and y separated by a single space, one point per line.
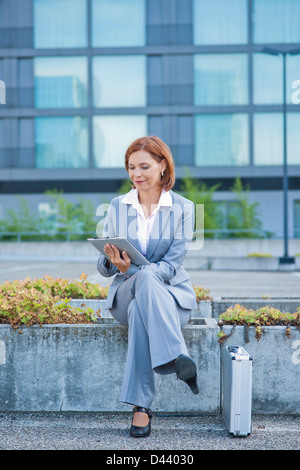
84 78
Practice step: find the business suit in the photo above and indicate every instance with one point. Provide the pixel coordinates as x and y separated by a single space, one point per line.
153 300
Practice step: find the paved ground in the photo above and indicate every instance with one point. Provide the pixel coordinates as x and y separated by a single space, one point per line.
102 431
220 283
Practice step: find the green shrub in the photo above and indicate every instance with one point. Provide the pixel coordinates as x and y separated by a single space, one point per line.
247 217
200 193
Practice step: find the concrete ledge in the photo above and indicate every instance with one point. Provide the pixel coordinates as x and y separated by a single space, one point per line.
213 254
276 367
209 308
80 368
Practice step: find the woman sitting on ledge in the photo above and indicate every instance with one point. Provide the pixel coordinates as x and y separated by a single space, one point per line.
153 300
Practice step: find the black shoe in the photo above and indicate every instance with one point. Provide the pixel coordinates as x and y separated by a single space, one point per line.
141 431
186 370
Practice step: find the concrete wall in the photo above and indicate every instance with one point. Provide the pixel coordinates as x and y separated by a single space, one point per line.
80 368
213 254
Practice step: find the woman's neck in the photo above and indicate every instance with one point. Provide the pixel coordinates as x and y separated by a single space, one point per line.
148 198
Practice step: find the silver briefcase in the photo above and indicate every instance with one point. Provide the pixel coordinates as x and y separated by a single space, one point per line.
237 390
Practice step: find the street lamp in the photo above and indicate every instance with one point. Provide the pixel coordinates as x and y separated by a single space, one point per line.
285 259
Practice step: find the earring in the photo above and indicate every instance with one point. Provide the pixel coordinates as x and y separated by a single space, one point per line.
162 174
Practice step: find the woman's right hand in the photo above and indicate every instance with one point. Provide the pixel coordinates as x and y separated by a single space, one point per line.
114 255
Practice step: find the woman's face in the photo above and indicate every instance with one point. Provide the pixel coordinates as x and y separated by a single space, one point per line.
144 171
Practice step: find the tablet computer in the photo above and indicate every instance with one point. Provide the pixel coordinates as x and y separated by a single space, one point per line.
123 245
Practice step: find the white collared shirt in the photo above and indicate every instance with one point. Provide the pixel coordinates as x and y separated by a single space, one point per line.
144 225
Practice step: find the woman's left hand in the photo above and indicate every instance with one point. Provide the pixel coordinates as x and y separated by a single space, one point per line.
114 255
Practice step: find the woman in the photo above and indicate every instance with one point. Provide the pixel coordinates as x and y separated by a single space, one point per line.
153 300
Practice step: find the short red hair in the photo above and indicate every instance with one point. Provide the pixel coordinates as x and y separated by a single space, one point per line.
159 151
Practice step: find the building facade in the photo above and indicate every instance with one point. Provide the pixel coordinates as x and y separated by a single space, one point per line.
84 78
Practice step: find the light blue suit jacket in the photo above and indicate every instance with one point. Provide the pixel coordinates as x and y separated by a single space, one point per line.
170 236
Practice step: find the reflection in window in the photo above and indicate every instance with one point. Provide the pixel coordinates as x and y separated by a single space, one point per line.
2 144
118 23
112 136
119 81
60 82
2 140
293 147
60 23
276 21
220 22
268 141
267 79
221 139
221 79
61 142
296 219
293 77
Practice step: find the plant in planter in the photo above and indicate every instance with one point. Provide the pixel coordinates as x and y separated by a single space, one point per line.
33 307
259 255
75 289
264 316
47 300
201 293
64 288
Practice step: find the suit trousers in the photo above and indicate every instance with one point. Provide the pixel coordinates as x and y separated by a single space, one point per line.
155 340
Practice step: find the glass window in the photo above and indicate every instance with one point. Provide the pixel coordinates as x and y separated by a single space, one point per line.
221 139
268 138
119 81
220 22
118 23
293 147
2 83
276 21
61 142
2 144
221 79
296 219
292 78
60 82
112 136
268 78
2 92
60 23
268 142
